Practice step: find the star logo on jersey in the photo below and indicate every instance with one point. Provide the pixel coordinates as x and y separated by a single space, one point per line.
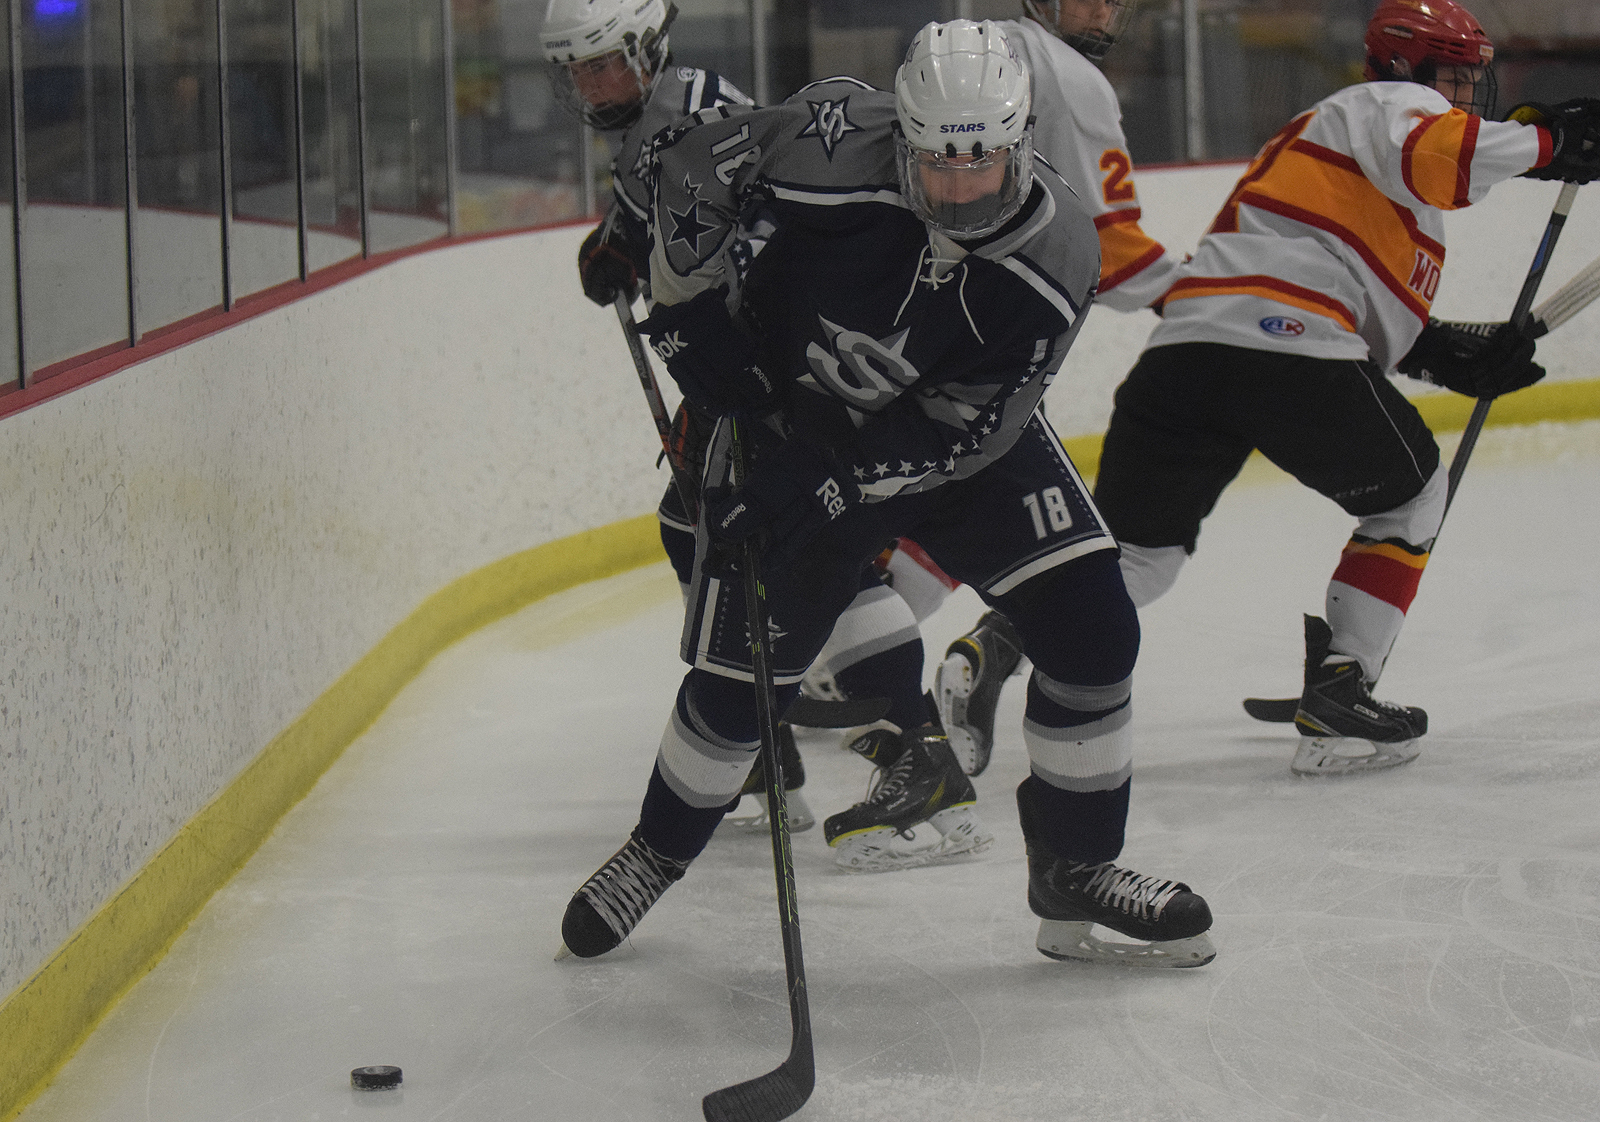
866 373
687 225
830 123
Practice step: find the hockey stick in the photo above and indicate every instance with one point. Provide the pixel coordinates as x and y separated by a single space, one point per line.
1283 709
785 1089
1574 296
1519 319
815 713
688 491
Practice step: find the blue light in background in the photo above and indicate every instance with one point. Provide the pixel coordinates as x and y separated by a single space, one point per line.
54 11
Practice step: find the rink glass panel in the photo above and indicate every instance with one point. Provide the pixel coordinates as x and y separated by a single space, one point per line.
177 223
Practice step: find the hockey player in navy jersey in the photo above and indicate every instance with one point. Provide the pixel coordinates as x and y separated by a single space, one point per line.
1079 130
888 350
1314 284
609 62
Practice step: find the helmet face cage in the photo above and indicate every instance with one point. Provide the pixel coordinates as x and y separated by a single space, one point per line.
615 58
951 191
631 82
1092 45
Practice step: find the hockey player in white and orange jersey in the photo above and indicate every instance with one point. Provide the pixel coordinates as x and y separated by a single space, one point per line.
1315 282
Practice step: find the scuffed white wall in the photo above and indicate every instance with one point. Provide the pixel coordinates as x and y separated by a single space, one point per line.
194 549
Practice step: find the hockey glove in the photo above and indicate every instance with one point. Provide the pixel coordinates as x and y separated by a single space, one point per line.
711 358
1467 362
691 432
792 492
605 267
1574 128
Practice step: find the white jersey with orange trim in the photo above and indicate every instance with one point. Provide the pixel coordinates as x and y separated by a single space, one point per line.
1331 244
1079 131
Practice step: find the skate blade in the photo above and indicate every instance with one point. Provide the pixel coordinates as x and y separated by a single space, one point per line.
960 834
952 688
800 817
1074 941
1350 755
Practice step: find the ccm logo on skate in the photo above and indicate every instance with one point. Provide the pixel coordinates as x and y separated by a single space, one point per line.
831 498
668 345
1282 325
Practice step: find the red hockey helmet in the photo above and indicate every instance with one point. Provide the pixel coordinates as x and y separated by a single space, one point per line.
1410 40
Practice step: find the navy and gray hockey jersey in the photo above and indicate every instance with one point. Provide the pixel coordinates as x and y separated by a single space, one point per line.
677 92
914 358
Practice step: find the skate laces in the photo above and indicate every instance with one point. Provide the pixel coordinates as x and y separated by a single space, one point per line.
626 887
1129 892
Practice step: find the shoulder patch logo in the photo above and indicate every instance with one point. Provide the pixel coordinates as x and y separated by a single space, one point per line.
687 225
830 123
1283 326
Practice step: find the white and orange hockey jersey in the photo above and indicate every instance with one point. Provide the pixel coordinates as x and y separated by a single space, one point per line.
1079 131
1331 244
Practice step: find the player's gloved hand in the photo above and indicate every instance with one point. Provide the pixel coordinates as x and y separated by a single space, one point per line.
605 267
712 358
1574 137
691 432
1472 363
791 493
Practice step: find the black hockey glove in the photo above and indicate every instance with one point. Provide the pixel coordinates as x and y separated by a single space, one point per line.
792 492
712 358
605 266
1468 362
691 432
1574 134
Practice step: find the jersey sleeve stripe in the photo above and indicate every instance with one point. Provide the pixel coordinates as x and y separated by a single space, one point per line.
1114 217
1042 284
1133 268
1469 146
1436 159
1268 288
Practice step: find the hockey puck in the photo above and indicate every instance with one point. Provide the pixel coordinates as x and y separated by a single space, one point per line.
383 1077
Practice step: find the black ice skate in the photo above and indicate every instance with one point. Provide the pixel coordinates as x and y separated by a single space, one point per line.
612 902
794 778
918 784
967 684
1167 919
1343 728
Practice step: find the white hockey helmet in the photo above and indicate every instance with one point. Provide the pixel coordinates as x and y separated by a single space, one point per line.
1089 27
965 139
606 53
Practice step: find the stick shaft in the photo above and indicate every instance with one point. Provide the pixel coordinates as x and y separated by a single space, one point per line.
688 491
1519 318
781 1092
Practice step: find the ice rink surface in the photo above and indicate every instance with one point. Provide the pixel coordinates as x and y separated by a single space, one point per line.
1415 945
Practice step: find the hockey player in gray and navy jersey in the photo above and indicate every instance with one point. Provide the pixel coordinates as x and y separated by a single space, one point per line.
610 67
888 350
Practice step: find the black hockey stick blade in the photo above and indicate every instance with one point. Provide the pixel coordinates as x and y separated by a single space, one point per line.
1278 710
814 713
769 1097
